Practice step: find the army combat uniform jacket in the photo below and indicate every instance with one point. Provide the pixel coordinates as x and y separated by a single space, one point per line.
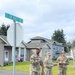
48 67
61 60
35 65
62 65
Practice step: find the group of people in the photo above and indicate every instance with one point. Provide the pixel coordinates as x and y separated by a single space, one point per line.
36 62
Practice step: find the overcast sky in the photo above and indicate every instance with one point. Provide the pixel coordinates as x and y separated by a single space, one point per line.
41 17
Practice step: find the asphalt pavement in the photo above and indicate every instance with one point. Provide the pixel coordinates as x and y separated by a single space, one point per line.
6 72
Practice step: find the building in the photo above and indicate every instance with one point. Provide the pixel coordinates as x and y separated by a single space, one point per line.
25 50
6 51
46 45
72 52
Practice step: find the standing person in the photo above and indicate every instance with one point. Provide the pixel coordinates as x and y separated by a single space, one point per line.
35 63
62 61
48 64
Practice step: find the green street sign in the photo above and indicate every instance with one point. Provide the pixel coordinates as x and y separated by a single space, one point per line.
13 17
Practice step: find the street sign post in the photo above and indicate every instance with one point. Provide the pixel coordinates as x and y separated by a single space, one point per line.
19 34
14 18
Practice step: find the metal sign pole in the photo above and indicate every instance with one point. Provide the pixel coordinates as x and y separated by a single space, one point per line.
14 44
14 47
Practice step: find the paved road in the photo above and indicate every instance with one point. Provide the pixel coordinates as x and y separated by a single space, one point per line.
5 72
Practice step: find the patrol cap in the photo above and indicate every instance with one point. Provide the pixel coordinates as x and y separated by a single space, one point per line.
48 53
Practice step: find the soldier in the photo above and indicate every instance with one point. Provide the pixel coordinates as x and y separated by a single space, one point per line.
48 64
35 62
62 62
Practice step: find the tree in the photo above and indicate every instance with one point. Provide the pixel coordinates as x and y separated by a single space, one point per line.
3 29
59 36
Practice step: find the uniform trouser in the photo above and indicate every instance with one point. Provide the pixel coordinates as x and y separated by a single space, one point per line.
62 71
48 72
34 73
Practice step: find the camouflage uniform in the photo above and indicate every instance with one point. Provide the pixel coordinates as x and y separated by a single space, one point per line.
35 65
48 66
62 67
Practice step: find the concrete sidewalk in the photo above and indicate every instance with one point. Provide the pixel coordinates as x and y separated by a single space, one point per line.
6 72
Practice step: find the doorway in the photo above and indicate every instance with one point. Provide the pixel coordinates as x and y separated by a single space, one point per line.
6 54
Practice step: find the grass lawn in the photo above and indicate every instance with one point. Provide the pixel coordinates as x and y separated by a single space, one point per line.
24 66
20 66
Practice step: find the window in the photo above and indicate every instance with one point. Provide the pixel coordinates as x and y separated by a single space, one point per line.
22 52
6 54
42 41
16 54
53 48
35 41
38 41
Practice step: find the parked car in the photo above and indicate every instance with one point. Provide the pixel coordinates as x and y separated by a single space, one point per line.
20 59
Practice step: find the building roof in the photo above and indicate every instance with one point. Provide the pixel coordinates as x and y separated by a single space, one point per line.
24 43
36 45
4 38
47 40
37 37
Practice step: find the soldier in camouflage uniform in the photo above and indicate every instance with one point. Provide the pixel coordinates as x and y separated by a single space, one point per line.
62 62
48 64
35 62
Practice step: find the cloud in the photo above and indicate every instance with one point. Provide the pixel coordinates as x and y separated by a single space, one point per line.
41 17
5 21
